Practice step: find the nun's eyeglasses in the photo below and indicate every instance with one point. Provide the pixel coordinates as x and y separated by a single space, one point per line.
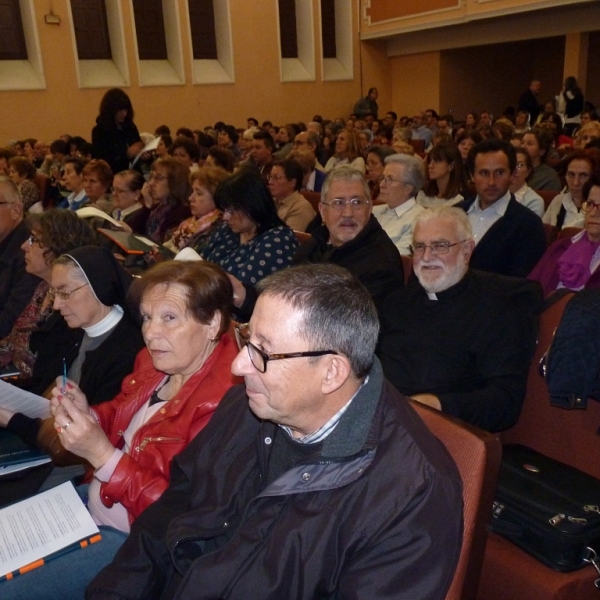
63 294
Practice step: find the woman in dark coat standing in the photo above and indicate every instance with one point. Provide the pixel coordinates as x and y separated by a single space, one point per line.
115 138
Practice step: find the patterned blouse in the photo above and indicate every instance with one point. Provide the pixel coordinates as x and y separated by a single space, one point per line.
14 348
29 192
262 255
195 233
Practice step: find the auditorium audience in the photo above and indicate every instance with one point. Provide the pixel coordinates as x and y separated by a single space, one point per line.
129 442
186 151
573 262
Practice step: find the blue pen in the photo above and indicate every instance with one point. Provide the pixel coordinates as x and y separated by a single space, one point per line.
119 214
64 381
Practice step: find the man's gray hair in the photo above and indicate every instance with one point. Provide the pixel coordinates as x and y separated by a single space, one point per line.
459 217
10 191
414 170
347 174
337 311
313 137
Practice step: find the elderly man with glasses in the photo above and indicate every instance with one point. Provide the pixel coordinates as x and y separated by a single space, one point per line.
457 339
16 286
402 179
314 480
349 237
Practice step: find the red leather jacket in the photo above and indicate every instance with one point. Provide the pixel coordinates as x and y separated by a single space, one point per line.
143 475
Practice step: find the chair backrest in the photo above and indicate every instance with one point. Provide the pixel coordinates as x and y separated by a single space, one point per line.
566 435
568 232
302 236
418 146
41 182
550 233
313 197
547 196
477 455
407 265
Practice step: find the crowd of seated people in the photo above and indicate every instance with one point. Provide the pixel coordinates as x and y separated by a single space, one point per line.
458 203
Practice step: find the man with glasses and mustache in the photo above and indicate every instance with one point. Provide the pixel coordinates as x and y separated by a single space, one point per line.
351 236
16 286
315 479
457 339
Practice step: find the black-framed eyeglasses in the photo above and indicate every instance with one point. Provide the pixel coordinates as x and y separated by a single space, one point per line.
338 204
259 359
436 247
63 294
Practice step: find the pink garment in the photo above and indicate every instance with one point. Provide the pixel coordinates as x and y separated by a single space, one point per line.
574 265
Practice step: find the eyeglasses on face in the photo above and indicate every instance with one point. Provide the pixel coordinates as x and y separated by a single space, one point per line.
588 205
275 177
259 359
63 294
437 248
33 240
158 176
338 204
388 180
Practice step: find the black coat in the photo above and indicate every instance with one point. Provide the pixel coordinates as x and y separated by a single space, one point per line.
16 285
513 245
111 144
371 257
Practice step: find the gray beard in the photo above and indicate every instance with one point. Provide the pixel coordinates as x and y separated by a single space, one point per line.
450 277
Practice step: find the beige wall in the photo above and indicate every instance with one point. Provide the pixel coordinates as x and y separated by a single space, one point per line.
415 82
258 92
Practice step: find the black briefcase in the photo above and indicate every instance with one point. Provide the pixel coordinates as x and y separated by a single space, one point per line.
548 508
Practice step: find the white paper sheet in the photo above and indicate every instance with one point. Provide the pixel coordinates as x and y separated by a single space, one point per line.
92 211
18 400
39 526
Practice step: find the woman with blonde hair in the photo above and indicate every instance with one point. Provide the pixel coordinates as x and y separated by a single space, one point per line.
347 152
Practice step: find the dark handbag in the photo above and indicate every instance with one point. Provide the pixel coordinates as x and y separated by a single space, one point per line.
549 509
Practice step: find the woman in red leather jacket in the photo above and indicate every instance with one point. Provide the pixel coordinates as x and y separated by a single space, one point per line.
177 383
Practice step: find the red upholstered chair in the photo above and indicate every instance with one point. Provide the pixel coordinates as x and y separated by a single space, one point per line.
41 182
302 236
508 572
477 456
568 232
547 196
418 146
550 233
407 266
313 197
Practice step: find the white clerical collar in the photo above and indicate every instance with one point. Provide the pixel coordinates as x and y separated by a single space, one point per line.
431 296
106 324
